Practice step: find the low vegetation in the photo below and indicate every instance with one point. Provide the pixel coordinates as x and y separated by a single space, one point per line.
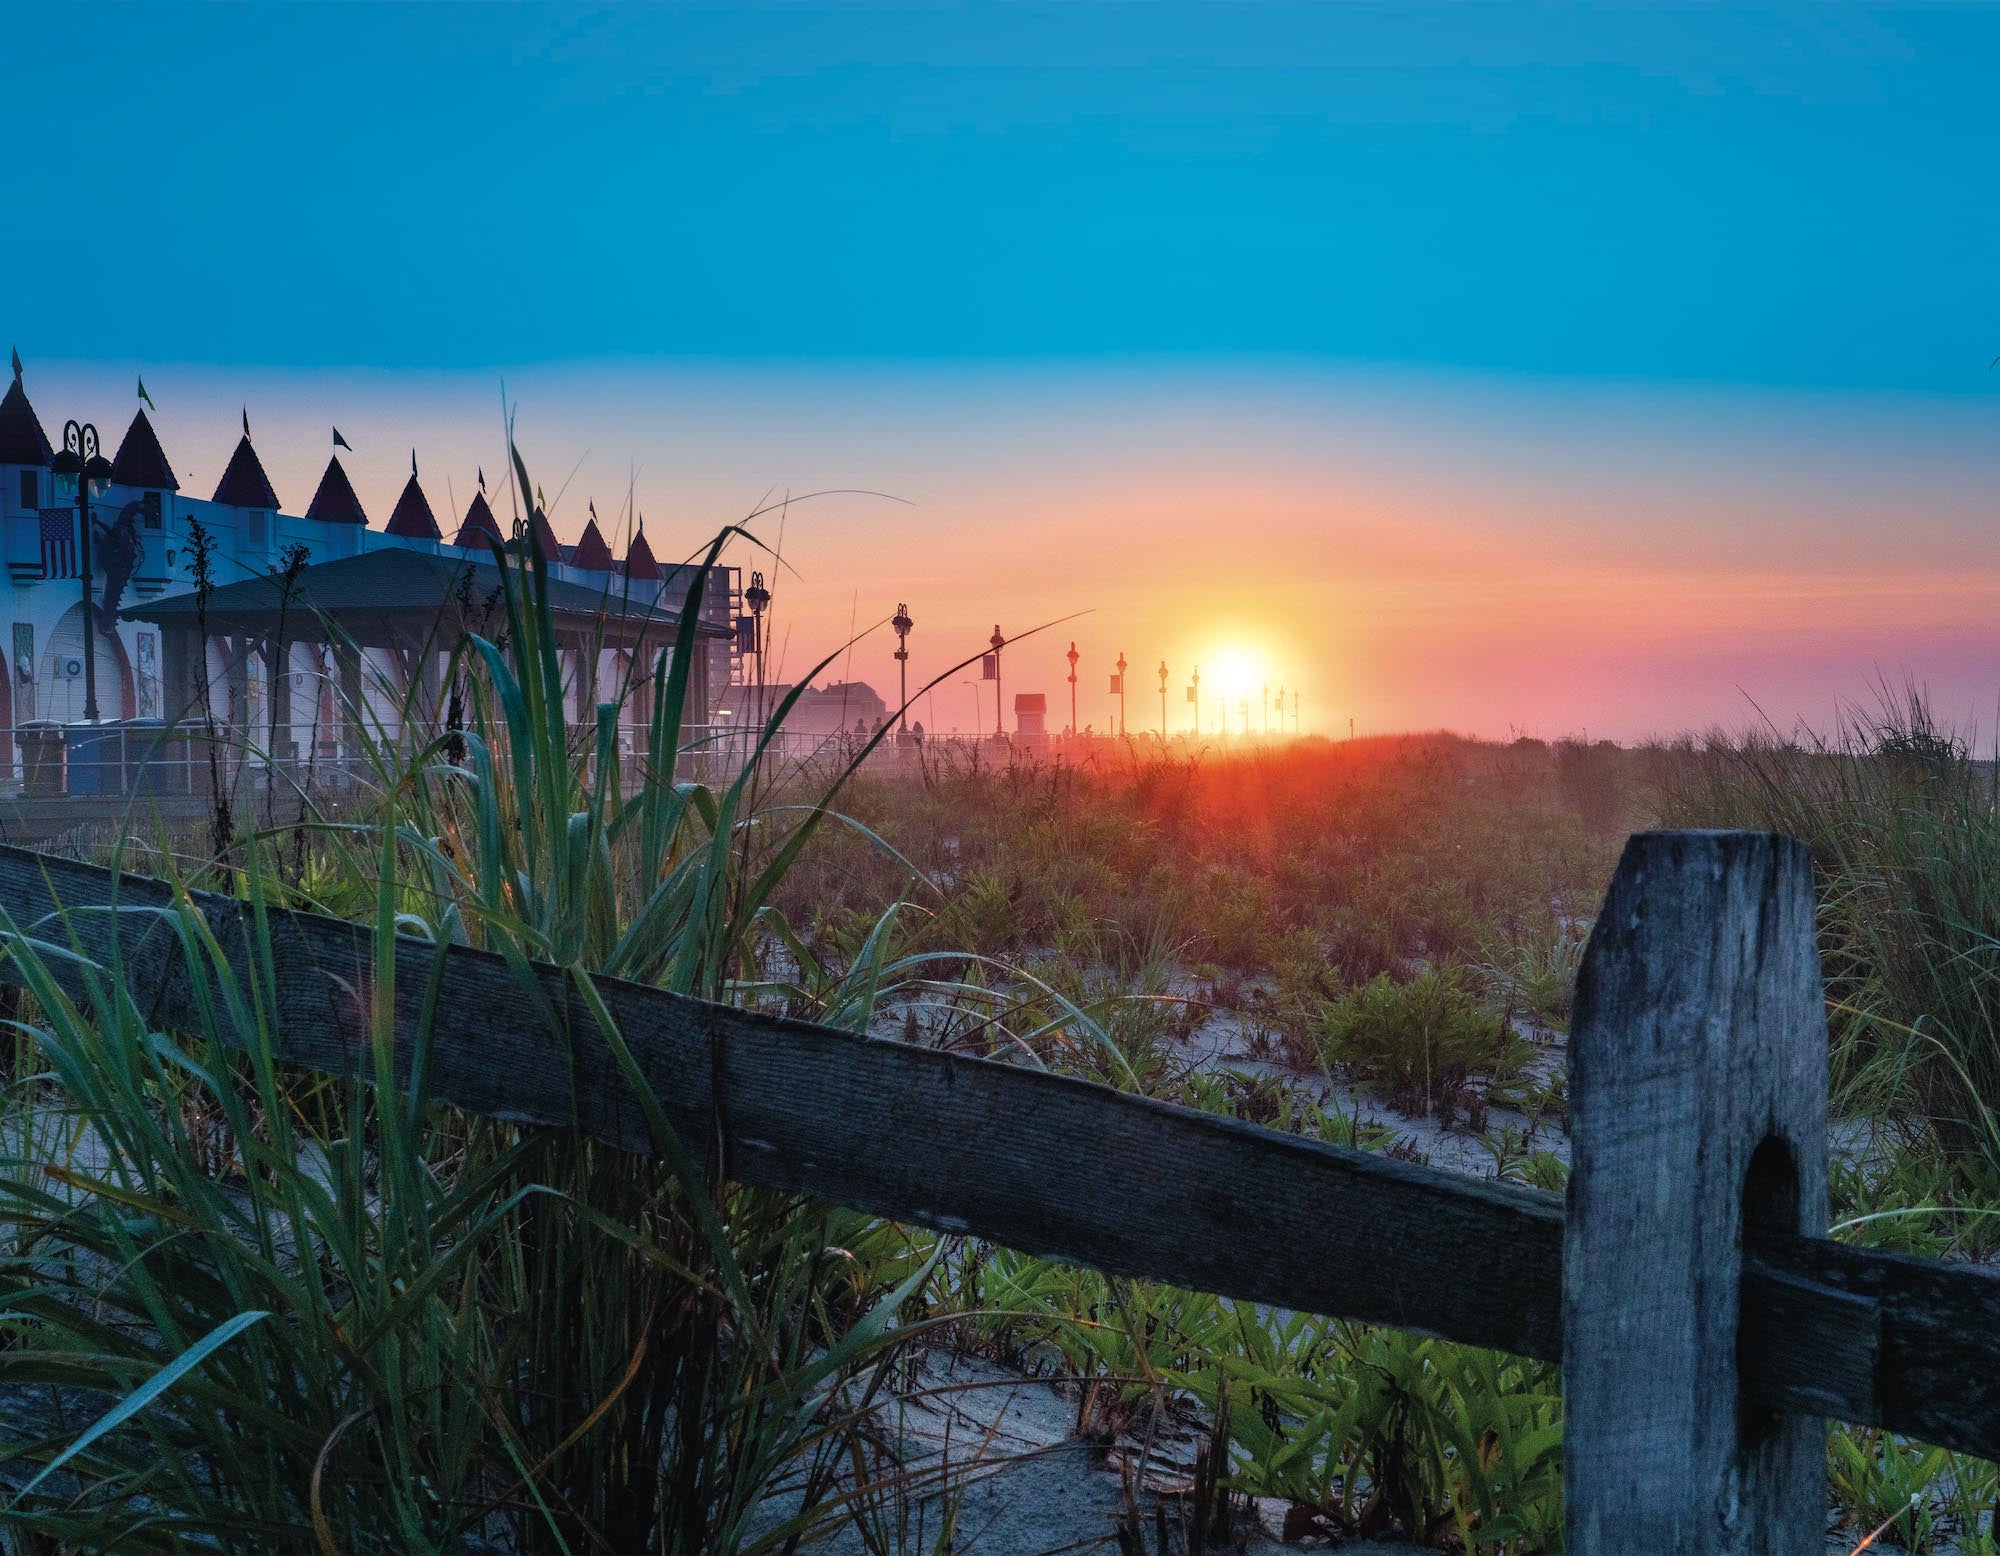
246 1309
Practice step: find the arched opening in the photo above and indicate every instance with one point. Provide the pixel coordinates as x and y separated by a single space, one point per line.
61 679
7 673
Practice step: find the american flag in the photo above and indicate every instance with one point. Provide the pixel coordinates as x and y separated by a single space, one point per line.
58 542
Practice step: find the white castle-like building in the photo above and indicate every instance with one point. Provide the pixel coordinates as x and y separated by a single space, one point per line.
355 626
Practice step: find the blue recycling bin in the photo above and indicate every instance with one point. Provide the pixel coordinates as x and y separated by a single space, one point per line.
152 762
96 758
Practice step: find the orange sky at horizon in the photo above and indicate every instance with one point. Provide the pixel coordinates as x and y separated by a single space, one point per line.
1412 551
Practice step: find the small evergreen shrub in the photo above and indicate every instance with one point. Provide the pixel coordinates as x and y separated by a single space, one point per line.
1419 1042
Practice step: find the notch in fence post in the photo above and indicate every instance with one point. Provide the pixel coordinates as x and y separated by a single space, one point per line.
1698 1087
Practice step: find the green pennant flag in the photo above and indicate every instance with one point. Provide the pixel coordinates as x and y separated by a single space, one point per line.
146 397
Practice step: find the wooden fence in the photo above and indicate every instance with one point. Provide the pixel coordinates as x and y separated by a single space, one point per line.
1704 1323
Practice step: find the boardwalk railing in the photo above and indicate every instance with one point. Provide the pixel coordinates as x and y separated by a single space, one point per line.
1704 1323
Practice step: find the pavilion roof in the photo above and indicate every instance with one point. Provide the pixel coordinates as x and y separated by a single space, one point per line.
399 586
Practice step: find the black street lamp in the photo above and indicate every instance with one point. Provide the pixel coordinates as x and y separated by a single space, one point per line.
1121 694
757 597
1163 702
80 458
999 699
902 623
1194 696
1072 656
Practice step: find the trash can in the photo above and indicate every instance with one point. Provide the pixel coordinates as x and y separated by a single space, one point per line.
41 743
96 758
152 761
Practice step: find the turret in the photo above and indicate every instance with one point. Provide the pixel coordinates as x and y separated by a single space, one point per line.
413 519
639 563
246 488
25 452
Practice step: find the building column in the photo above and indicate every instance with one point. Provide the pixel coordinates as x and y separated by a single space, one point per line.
353 706
430 677
180 678
239 684
278 677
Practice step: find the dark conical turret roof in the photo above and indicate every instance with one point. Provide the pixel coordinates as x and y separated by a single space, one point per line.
591 551
639 561
141 461
244 484
479 527
22 441
335 502
413 519
543 537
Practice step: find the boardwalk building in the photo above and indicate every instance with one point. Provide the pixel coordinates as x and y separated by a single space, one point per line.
365 615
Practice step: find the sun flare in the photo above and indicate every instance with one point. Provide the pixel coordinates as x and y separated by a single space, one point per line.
1237 673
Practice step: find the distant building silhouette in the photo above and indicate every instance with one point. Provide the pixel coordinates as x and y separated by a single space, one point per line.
837 708
141 556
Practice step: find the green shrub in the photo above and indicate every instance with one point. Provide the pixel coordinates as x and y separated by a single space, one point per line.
1419 1042
989 909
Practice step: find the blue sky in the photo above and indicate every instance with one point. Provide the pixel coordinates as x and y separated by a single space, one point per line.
1799 195
1609 367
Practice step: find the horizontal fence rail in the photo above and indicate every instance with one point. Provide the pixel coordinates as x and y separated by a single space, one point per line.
1066 1168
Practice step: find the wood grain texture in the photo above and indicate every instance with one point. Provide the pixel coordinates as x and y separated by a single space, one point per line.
1040 1162
1697 1071
1918 1350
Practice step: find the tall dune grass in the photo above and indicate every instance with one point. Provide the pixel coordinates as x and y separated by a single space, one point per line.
243 1308
1904 826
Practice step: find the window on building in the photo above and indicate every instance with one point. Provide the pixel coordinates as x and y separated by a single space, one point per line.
253 527
31 488
149 513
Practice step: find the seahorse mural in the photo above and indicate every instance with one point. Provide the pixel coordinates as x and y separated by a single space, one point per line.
119 553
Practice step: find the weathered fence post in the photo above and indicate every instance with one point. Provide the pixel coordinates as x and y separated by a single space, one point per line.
1698 1089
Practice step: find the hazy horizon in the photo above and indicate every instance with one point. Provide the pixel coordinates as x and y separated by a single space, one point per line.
1605 370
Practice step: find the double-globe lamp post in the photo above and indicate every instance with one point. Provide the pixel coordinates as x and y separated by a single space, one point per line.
757 597
81 458
1163 702
1072 656
902 623
999 642
1121 694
